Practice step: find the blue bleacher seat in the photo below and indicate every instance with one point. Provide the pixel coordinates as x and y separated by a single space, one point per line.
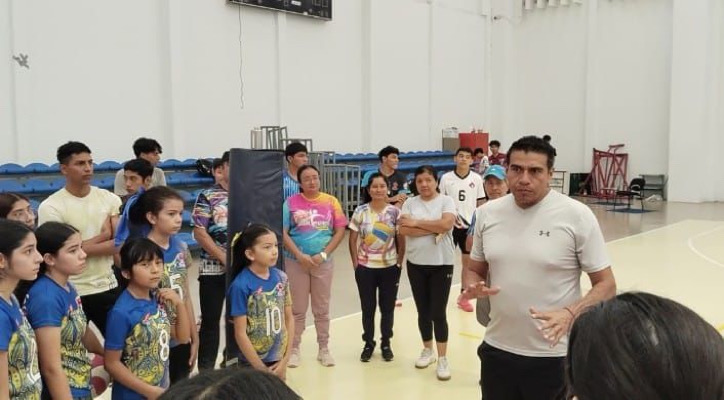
188 198
171 163
188 238
188 179
108 166
40 186
11 185
38 168
12 169
188 163
103 183
54 168
186 218
34 204
58 182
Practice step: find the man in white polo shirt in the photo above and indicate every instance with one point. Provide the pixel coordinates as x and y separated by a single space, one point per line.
535 243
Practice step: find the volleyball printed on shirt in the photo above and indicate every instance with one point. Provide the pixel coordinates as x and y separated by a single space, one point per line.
380 234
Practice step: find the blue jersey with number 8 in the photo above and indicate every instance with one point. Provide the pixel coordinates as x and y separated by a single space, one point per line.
141 330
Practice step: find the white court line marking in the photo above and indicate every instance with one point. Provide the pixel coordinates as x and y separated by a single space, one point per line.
696 251
646 232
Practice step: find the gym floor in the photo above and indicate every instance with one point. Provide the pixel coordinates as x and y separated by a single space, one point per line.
674 252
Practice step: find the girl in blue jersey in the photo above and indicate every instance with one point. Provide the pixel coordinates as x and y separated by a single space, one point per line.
19 259
161 208
260 303
55 312
139 331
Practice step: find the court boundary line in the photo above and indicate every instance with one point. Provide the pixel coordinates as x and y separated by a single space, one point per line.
690 244
647 232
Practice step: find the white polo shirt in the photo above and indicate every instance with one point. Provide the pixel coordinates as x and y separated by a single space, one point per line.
536 256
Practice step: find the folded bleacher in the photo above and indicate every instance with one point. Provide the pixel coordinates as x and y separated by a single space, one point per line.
38 180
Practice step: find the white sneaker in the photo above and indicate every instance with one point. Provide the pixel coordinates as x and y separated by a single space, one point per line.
443 369
294 359
325 358
426 358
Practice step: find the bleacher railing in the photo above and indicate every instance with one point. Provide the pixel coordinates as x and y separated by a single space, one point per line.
342 181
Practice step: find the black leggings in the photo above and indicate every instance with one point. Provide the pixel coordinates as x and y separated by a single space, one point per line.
370 283
178 362
431 289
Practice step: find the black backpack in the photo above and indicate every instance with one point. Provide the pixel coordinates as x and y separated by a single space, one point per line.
205 167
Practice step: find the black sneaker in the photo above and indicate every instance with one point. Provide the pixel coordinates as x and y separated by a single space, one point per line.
387 353
367 352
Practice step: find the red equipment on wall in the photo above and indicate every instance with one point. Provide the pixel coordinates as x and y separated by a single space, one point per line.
608 173
474 140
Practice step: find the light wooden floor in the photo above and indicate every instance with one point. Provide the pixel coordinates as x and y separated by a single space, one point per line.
675 252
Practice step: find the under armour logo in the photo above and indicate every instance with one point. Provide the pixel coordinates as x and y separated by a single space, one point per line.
547 233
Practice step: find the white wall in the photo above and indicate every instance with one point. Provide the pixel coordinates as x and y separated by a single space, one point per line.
697 102
108 73
589 75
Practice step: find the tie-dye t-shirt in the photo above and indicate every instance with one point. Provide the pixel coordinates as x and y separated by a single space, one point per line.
377 247
140 329
50 305
311 223
263 302
211 212
17 339
176 261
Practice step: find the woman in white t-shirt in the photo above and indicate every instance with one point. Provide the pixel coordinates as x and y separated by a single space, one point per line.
427 221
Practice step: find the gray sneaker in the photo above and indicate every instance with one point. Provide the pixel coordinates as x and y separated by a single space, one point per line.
325 358
294 359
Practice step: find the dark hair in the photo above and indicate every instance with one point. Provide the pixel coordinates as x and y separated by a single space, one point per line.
51 238
12 234
137 250
152 200
547 138
68 150
140 166
146 145
464 150
644 347
386 151
302 169
371 178
533 144
226 156
494 143
216 164
7 201
294 148
245 240
423 169
231 384
478 150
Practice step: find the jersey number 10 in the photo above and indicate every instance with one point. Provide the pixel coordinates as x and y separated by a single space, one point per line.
273 321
